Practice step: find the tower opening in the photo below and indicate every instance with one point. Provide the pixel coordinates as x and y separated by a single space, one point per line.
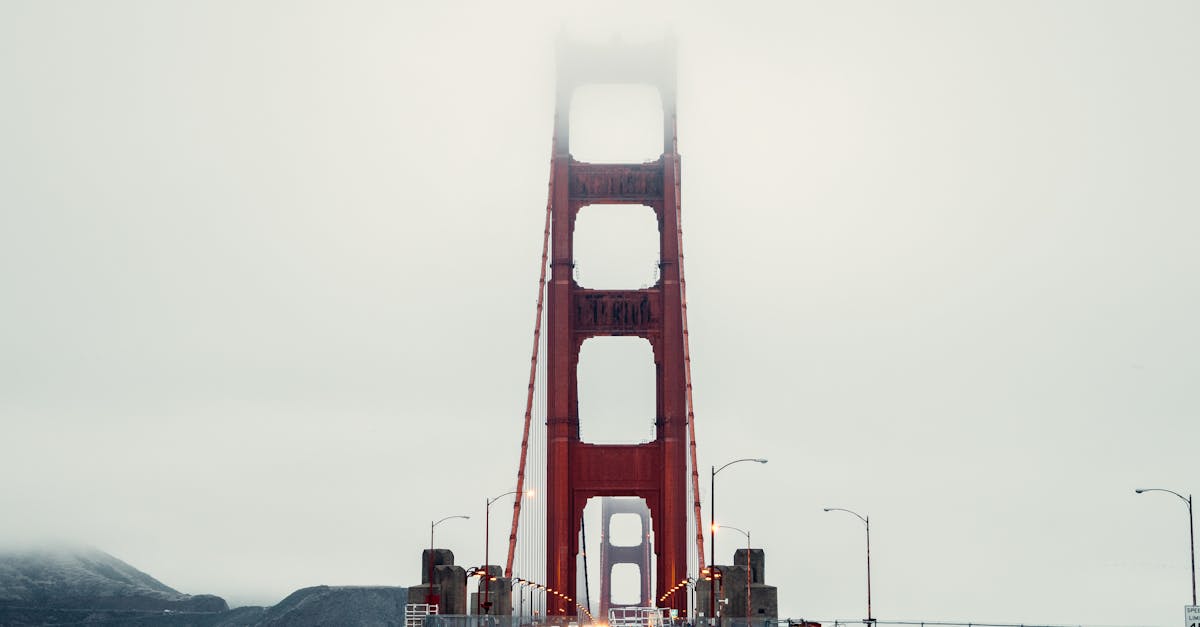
616 123
616 391
616 247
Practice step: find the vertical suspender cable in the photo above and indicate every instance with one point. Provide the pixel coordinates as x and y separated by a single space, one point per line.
537 333
587 589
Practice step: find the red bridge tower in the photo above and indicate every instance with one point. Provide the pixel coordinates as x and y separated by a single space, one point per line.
576 471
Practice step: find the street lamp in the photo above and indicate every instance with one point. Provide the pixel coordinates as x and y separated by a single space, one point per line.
517 581
712 504
747 534
487 560
866 521
712 519
691 585
430 598
1191 530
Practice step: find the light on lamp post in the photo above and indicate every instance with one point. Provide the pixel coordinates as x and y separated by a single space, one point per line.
1191 530
866 521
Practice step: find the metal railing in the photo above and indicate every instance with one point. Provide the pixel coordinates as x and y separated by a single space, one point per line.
919 623
484 620
445 620
416 613
858 622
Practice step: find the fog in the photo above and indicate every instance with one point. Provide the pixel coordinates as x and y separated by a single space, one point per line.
268 274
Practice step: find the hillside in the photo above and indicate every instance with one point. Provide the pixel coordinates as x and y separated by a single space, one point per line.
70 586
87 578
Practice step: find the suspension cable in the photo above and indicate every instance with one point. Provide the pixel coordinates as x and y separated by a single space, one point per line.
533 362
687 351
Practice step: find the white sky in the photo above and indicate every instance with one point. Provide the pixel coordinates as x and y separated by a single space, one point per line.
267 276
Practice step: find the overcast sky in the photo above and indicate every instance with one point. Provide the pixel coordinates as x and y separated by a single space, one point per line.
268 272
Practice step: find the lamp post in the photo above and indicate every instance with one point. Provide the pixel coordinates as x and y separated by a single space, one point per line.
1191 530
714 574
516 581
487 576
712 504
530 586
747 534
431 598
712 522
691 584
866 521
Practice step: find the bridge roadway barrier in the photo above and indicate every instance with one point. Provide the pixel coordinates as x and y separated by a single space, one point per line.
445 620
525 621
859 622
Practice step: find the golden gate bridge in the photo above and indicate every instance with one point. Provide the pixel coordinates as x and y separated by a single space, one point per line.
655 481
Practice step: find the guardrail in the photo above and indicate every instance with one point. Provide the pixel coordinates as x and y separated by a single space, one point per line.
445 620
